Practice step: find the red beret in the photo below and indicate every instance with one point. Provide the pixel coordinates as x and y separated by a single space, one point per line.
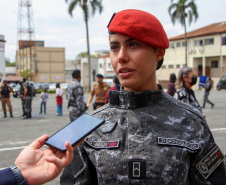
141 26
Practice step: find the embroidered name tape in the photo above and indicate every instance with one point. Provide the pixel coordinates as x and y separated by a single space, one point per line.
178 142
210 162
102 144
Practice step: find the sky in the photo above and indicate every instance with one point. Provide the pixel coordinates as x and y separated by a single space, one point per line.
54 25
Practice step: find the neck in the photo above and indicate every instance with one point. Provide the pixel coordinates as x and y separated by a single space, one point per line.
188 85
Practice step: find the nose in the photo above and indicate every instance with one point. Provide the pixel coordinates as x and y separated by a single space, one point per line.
123 55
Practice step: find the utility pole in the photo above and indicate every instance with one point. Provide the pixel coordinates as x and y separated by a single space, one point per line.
26 39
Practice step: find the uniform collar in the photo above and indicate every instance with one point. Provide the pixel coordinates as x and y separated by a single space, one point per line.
132 100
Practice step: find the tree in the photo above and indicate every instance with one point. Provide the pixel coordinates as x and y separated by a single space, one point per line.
180 11
86 5
26 74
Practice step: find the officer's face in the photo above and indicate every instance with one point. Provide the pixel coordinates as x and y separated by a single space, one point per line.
134 62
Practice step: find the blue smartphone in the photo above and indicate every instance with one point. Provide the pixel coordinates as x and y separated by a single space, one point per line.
74 132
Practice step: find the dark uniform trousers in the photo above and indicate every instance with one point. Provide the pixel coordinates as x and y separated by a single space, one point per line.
148 138
27 106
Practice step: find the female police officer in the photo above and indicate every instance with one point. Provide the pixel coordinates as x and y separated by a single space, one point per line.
148 137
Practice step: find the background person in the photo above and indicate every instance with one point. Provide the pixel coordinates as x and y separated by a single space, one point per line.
44 97
74 95
171 89
27 98
34 166
208 87
148 136
59 100
5 99
116 87
186 79
100 90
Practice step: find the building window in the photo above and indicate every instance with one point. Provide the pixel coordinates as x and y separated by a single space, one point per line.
178 66
183 44
198 42
178 44
223 40
163 67
214 63
171 66
100 65
209 41
171 45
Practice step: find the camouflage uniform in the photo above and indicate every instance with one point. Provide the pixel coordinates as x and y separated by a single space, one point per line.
148 138
28 100
74 95
187 96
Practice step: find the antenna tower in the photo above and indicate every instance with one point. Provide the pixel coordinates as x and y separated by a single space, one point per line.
26 38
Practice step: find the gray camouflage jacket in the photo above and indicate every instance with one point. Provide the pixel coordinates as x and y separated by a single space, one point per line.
148 138
74 94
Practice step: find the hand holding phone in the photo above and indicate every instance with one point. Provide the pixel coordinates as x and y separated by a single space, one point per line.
74 132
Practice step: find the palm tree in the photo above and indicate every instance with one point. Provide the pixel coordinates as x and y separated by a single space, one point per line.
86 5
180 11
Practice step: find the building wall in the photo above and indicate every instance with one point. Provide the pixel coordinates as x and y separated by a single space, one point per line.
2 53
49 63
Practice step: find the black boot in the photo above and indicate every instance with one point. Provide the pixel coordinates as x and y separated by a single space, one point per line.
5 115
11 114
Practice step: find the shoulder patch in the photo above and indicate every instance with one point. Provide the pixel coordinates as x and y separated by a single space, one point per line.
178 142
108 127
210 162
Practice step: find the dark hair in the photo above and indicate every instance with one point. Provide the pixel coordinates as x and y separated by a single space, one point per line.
99 76
24 79
116 81
76 73
183 72
57 85
173 77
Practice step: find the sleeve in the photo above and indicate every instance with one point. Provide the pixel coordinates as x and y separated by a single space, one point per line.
80 171
7 177
207 165
78 94
92 92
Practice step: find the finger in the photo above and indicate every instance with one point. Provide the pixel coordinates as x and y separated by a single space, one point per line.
74 147
39 142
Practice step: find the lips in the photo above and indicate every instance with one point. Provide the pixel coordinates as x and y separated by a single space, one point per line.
125 72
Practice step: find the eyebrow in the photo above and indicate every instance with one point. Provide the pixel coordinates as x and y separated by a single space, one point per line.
116 42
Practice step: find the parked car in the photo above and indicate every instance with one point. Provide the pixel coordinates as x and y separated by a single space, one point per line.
52 87
16 90
63 85
109 81
222 83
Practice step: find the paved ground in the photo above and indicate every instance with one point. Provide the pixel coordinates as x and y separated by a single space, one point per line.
16 133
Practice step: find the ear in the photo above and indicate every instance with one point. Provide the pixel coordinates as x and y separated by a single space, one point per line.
160 54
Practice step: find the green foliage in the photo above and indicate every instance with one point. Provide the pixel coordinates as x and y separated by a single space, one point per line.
48 91
9 64
26 74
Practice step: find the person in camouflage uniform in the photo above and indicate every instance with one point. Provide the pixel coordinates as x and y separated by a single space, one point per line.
27 100
186 79
74 95
148 136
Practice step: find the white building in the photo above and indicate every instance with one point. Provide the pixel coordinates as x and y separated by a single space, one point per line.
206 53
2 54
